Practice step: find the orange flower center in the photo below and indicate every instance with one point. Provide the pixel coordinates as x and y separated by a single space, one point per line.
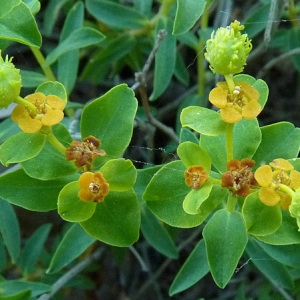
195 177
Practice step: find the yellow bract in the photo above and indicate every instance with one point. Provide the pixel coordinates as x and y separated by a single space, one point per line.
49 111
238 104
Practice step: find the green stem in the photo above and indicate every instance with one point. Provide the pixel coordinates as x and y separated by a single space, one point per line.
52 139
287 190
165 7
231 202
42 62
26 104
229 141
230 82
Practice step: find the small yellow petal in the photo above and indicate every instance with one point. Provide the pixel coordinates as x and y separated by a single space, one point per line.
85 179
281 164
52 117
218 97
263 175
285 200
295 179
268 196
29 125
18 112
230 115
55 102
249 91
251 110
40 97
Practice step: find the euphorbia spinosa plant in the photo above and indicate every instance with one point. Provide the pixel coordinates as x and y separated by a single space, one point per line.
238 183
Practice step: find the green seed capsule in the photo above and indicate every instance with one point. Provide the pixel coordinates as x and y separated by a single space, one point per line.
228 49
10 82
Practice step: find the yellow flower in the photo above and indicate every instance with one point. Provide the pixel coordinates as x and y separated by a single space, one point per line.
84 152
239 178
48 112
241 103
272 178
93 187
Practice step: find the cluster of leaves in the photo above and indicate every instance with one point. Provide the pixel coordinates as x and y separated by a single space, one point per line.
113 38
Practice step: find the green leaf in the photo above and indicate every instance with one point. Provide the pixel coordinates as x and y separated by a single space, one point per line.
202 120
34 5
70 207
272 269
80 38
246 140
114 113
115 15
20 189
165 194
3 255
192 154
165 59
259 218
68 63
23 295
9 229
32 79
187 14
287 233
194 199
287 255
21 147
18 24
33 248
258 84
156 234
119 173
181 71
116 220
225 238
285 145
73 244
12 287
186 135
53 161
53 88
194 269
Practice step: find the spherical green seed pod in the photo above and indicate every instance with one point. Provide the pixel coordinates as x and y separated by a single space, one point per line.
228 49
10 82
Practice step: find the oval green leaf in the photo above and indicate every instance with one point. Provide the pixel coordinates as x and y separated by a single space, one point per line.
116 220
115 15
259 218
13 16
203 120
187 14
119 173
225 238
21 146
33 194
114 113
75 241
194 269
192 154
70 207
80 38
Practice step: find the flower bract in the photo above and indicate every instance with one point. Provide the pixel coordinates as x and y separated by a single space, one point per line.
241 103
93 187
273 179
48 112
239 178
